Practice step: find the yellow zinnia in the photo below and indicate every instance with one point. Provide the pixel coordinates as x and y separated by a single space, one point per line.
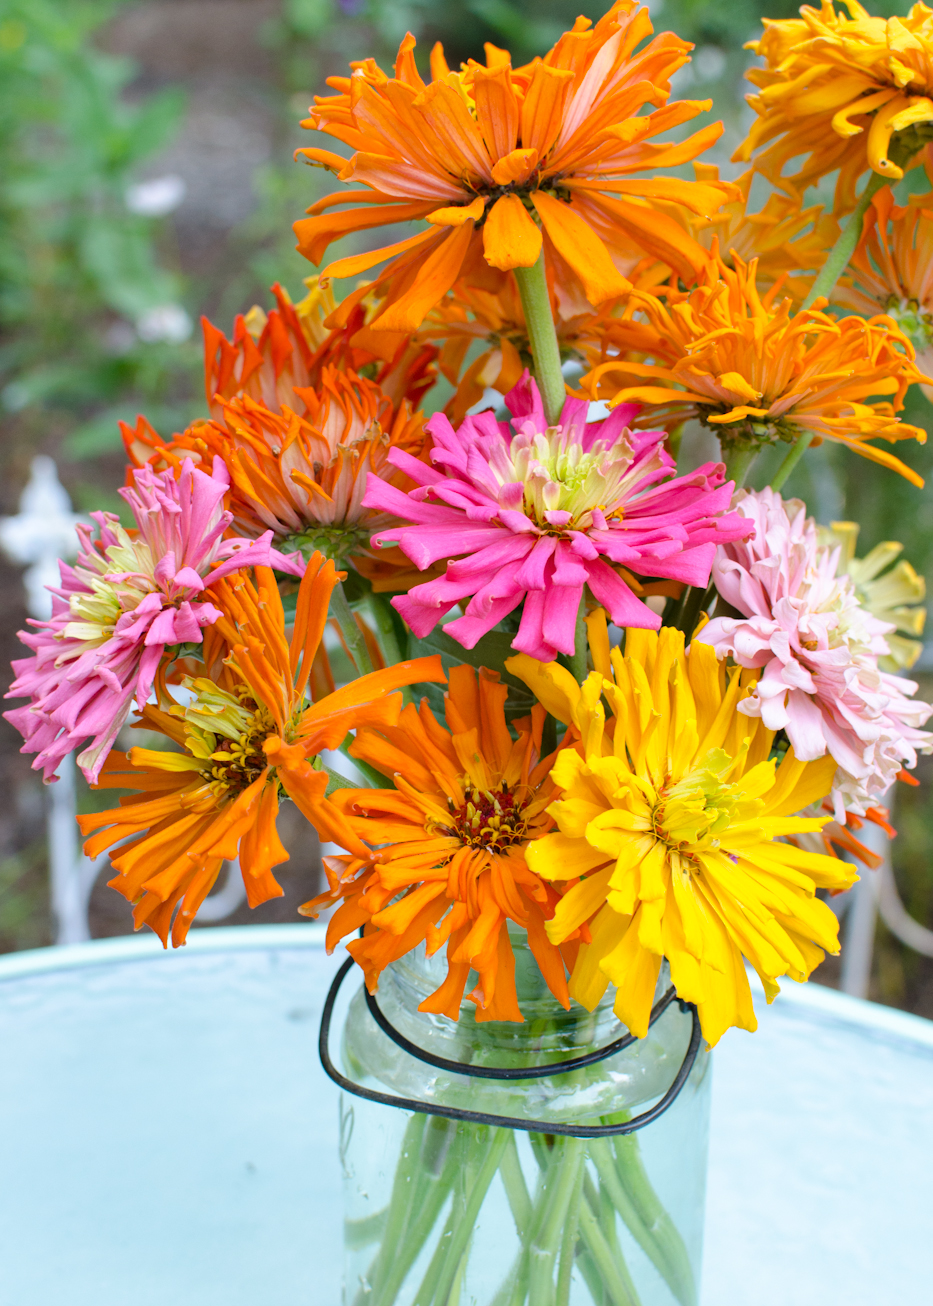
668 829
847 91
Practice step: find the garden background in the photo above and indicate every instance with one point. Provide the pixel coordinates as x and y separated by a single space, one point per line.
146 156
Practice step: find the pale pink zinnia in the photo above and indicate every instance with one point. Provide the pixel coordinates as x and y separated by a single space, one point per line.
818 651
536 513
128 597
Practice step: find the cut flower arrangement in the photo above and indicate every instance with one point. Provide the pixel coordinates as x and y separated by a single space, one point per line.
588 726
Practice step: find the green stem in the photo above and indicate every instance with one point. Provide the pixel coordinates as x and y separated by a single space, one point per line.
798 449
343 614
567 1169
838 257
623 1178
439 1291
836 263
516 1190
399 1203
542 334
738 463
578 660
569 1240
609 1271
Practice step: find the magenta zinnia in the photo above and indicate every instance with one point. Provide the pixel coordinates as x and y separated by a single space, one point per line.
536 513
129 597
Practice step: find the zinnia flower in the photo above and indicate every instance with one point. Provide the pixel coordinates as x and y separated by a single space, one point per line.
130 596
450 840
849 91
891 270
892 594
502 163
304 477
667 835
817 649
539 512
788 240
247 738
756 371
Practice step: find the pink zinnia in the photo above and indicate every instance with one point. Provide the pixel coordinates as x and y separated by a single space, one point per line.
126 599
818 651
540 512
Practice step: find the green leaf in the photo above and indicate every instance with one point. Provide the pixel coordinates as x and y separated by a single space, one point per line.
491 652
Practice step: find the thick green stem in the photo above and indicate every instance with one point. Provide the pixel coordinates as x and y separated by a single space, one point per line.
343 615
536 303
567 1172
798 449
738 463
838 258
568 1244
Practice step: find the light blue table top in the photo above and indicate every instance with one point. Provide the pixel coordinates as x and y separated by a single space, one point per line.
169 1136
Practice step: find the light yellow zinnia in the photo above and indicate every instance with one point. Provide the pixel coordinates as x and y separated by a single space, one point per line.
670 821
893 594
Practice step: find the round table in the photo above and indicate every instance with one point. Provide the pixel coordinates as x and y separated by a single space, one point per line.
169 1135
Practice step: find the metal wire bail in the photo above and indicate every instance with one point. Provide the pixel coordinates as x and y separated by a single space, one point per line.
518 1073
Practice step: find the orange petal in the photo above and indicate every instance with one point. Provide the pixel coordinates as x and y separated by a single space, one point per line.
510 237
516 167
543 106
458 214
497 110
436 275
575 240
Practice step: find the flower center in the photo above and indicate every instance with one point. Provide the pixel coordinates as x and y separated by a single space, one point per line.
238 762
489 818
697 809
226 732
566 485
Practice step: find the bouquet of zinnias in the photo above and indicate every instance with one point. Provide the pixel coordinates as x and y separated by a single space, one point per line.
587 726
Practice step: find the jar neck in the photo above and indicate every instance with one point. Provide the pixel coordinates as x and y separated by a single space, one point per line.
548 1030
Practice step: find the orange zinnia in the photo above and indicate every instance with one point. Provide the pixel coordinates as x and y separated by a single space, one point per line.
848 91
787 240
247 740
503 162
756 371
450 839
891 270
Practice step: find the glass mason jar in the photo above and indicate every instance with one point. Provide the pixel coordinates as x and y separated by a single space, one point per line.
442 1212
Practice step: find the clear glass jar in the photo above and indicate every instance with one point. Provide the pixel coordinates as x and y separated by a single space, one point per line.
449 1213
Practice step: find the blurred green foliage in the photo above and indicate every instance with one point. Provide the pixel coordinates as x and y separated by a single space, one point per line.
79 272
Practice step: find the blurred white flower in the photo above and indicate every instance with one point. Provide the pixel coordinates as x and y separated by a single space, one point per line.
155 198
168 323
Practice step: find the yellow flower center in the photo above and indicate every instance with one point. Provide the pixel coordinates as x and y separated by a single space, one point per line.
695 810
226 734
238 762
489 818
